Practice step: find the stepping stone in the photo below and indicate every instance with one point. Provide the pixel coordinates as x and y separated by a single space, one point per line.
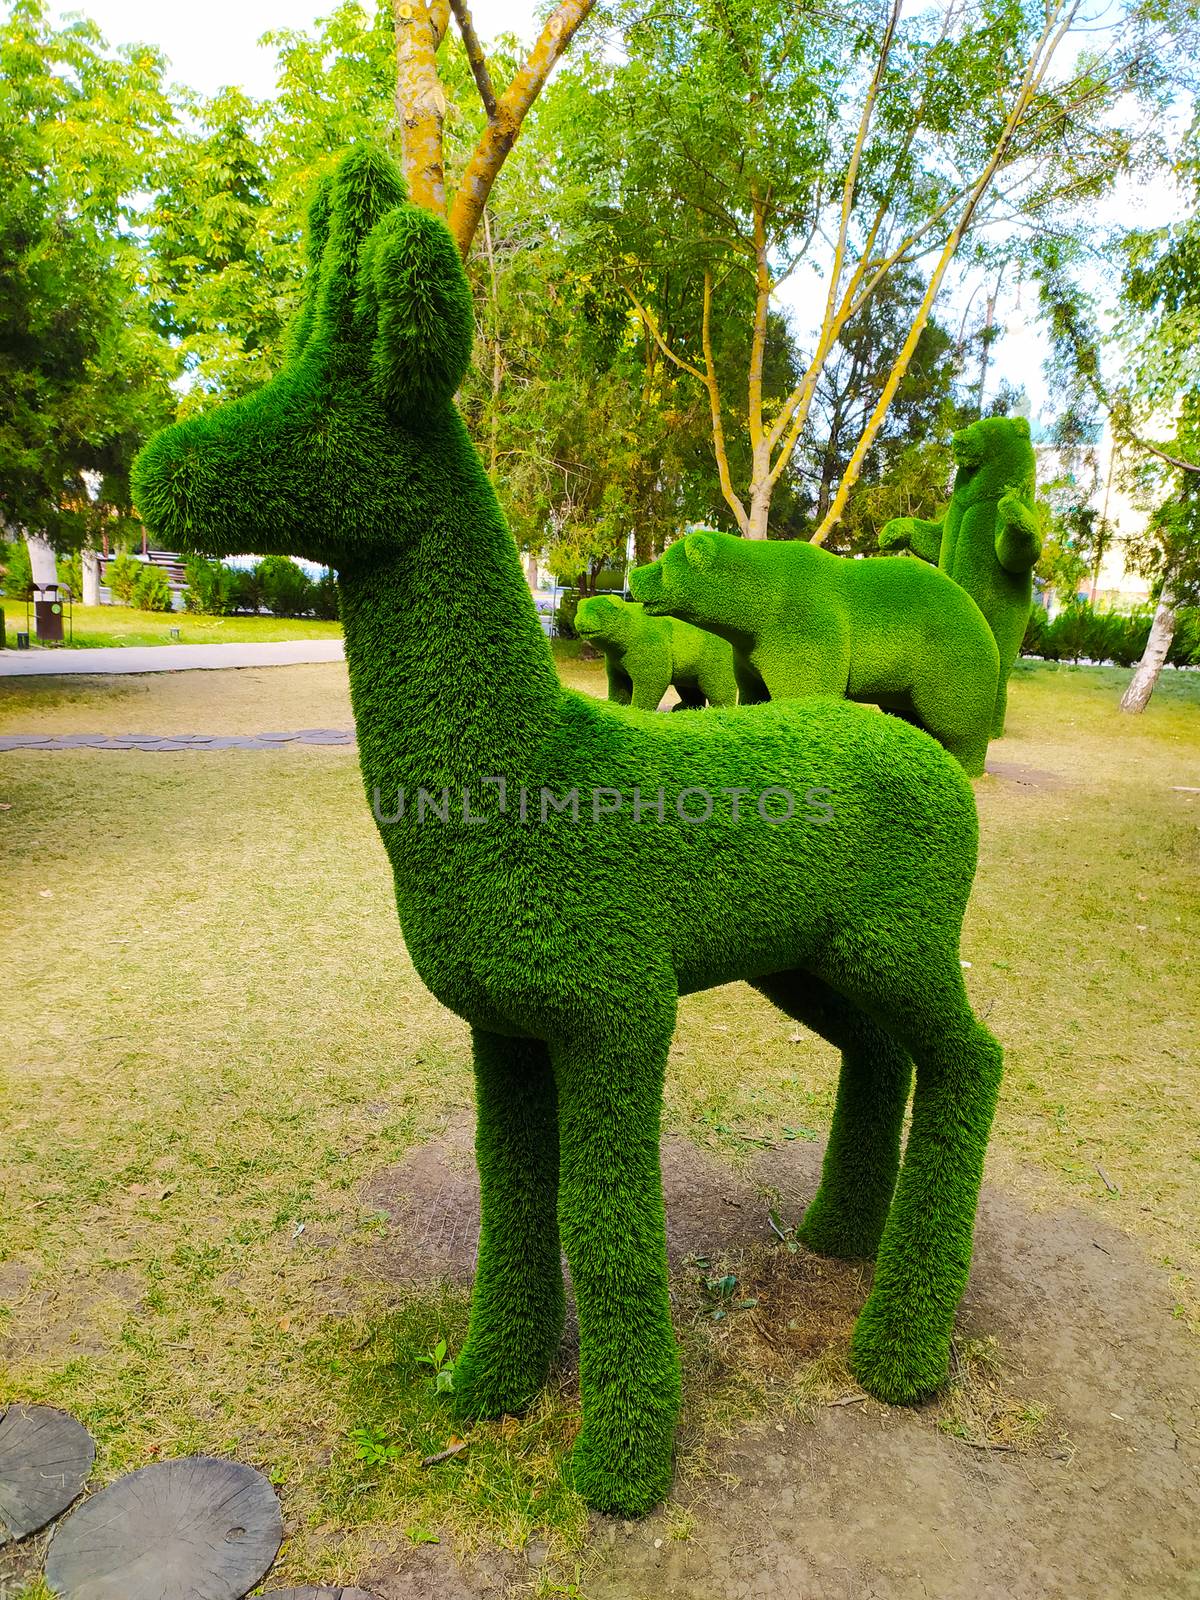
193 1529
231 741
45 1459
72 741
273 737
19 741
317 1594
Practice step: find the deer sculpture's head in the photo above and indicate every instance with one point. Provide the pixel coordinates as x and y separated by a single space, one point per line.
356 445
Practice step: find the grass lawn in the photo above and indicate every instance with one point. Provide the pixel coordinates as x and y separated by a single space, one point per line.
123 625
214 1040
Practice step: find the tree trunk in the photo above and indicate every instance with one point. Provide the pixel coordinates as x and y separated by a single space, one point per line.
1141 686
42 565
90 566
760 511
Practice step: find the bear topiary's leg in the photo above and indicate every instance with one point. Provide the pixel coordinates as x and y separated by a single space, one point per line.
957 711
649 688
858 1177
611 1215
517 1303
900 1350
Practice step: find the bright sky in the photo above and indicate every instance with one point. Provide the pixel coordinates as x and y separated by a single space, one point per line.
216 43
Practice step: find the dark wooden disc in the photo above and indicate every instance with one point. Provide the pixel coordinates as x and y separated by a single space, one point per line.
193 1529
45 1459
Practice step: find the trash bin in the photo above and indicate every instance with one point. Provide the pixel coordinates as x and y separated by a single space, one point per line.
48 614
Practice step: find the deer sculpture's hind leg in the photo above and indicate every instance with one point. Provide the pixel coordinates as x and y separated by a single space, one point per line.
858 1177
611 1215
517 1303
900 1350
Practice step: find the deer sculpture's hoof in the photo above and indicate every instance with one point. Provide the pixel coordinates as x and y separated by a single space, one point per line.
485 1389
623 1480
896 1356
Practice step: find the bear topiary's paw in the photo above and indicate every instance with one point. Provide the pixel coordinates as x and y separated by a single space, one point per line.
898 1357
621 1478
846 1235
489 1387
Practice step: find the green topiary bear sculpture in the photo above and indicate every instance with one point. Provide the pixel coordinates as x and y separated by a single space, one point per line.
802 622
989 540
646 655
565 868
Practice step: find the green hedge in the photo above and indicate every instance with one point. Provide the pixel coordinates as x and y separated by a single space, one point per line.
276 583
1081 633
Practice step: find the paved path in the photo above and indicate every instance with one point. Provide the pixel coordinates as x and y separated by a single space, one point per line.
173 741
166 657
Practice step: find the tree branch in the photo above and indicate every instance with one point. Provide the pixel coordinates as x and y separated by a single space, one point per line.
475 55
498 138
421 100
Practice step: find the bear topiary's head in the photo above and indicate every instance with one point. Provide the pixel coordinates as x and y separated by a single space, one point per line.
344 452
689 580
994 457
606 619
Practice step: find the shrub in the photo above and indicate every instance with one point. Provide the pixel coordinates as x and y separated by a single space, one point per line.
324 597
70 573
286 588
18 575
1080 633
564 618
210 587
1185 647
122 575
152 592
245 589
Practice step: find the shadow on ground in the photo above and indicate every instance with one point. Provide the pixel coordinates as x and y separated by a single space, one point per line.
861 1502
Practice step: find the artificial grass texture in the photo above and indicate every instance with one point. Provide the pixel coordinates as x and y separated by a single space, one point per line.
989 540
645 656
564 932
804 622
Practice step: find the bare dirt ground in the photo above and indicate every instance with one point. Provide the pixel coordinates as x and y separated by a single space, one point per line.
855 1501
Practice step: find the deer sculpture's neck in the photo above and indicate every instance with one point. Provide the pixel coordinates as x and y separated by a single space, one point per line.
451 678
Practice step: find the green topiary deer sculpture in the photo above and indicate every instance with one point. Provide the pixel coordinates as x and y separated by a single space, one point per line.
566 868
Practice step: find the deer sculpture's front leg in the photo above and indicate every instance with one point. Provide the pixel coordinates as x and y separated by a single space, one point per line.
517 1304
610 1081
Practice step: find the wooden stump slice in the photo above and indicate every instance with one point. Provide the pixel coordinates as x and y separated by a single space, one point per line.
193 1529
45 1459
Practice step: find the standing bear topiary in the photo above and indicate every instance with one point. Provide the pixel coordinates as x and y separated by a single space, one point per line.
645 656
565 868
990 539
801 621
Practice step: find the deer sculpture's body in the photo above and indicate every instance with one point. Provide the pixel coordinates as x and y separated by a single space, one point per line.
564 931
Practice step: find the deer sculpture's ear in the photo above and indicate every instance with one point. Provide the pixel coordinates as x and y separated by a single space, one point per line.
412 276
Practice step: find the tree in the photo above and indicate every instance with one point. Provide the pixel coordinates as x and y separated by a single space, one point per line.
82 376
744 140
1143 371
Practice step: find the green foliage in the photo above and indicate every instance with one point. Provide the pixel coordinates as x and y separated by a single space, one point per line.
565 941
803 622
151 591
647 655
211 587
82 378
286 587
990 539
18 574
1079 632
122 574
